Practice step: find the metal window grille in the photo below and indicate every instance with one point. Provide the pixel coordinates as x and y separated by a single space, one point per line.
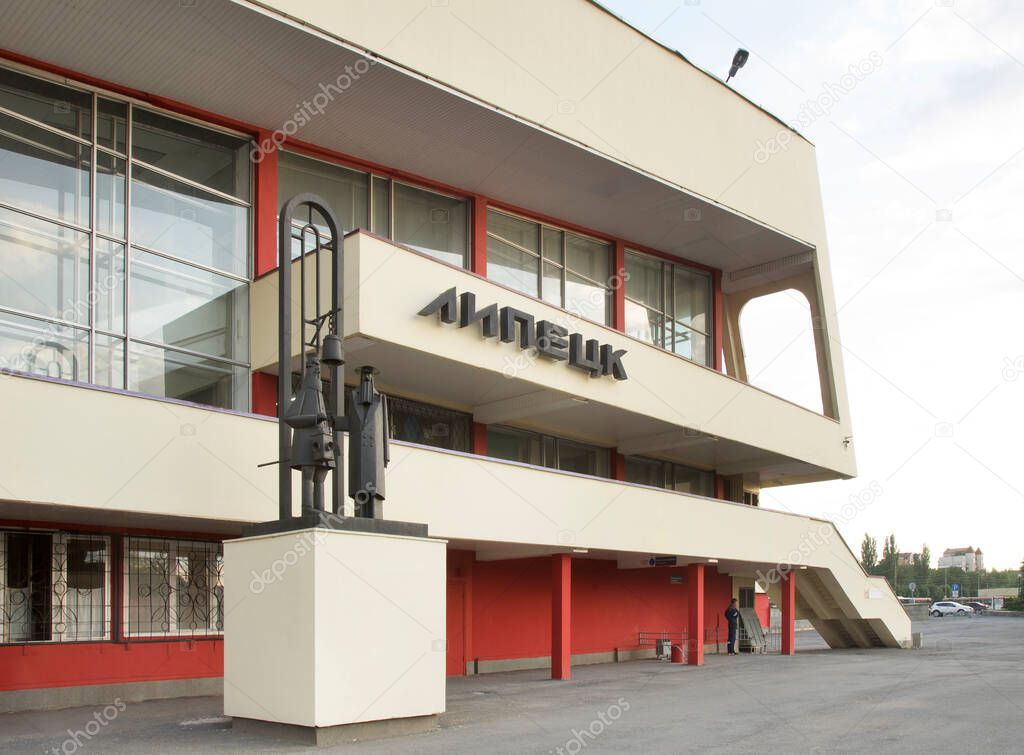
173 587
54 586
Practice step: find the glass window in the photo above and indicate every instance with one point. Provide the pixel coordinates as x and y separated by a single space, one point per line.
43 348
213 159
431 223
665 474
429 425
545 450
64 245
645 471
669 306
43 172
44 267
381 200
54 587
180 305
513 252
514 445
179 219
344 190
581 458
173 587
69 110
571 271
162 372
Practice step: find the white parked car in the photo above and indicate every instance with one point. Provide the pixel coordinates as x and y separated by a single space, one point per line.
947 607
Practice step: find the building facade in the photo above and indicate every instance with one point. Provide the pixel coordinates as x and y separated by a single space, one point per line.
969 559
594 437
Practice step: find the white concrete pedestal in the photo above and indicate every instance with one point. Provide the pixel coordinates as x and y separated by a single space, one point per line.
330 628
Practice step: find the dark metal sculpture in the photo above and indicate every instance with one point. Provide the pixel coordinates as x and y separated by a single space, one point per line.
309 425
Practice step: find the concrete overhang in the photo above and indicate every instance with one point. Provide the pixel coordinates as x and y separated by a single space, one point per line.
669 407
249 64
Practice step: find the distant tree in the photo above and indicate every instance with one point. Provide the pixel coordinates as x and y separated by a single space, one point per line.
869 553
923 565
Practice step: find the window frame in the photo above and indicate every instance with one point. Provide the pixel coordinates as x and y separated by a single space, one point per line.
668 474
562 265
121 341
546 441
173 631
59 610
666 310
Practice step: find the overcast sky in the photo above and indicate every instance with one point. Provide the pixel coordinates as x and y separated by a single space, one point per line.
922 173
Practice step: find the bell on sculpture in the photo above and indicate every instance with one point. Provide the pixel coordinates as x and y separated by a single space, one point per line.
333 355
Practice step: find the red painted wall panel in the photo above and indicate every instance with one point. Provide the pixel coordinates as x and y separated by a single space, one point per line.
610 606
37 666
763 609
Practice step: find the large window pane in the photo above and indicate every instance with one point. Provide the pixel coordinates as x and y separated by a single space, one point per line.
344 190
110 187
429 425
695 481
589 258
645 471
381 207
511 267
180 305
179 219
688 343
644 280
431 223
514 445
108 353
586 299
58 106
43 172
581 458
513 252
44 267
108 288
644 324
692 298
552 284
112 129
43 348
211 158
161 372
27 614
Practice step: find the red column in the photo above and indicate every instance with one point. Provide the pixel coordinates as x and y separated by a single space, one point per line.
478 259
788 588
479 439
618 466
561 616
264 394
266 208
619 293
695 614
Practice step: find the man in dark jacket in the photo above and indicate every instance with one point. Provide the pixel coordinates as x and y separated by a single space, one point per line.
732 615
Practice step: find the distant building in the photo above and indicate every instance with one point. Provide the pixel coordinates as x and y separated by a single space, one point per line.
906 559
969 559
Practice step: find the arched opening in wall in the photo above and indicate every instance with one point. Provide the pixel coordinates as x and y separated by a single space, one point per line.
778 347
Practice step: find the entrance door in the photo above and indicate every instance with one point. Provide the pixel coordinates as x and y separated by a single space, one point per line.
456 664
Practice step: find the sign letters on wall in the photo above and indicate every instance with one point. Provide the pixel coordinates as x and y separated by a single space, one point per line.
513 325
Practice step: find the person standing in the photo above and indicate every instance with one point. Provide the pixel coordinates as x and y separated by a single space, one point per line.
732 615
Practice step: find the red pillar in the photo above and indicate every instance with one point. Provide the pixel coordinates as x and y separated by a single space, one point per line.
788 588
618 466
561 616
264 394
479 439
695 614
266 208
